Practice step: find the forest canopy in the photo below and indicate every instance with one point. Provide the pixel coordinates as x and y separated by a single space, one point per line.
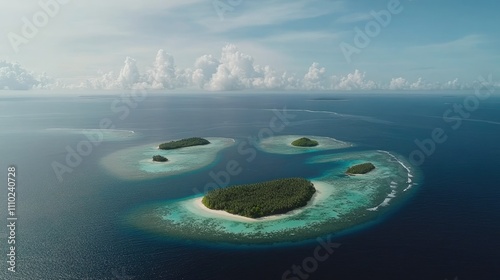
305 142
360 168
262 199
159 158
188 142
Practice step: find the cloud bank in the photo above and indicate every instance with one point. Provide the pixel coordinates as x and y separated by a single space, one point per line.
232 70
14 77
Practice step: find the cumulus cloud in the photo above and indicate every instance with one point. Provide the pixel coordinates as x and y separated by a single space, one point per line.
14 77
129 74
233 70
398 83
268 78
315 78
127 77
354 81
455 84
420 84
163 73
205 66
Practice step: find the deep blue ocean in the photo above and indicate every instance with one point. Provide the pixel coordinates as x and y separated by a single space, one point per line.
448 228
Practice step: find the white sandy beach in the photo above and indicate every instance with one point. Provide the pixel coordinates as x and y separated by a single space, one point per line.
323 190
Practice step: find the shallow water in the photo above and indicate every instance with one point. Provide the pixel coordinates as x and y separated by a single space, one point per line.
136 162
342 202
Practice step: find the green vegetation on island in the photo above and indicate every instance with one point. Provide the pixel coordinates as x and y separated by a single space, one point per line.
305 142
188 142
360 168
159 158
261 199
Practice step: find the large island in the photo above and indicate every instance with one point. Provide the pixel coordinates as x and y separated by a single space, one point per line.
187 142
305 142
261 199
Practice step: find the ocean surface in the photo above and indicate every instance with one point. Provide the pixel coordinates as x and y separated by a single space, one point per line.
73 224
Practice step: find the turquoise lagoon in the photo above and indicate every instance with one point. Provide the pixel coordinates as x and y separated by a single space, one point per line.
137 163
340 203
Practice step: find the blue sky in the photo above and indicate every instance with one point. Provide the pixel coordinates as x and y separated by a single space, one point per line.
437 41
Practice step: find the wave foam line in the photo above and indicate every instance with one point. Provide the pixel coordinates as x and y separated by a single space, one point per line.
385 202
392 194
404 166
358 117
396 159
308 111
409 187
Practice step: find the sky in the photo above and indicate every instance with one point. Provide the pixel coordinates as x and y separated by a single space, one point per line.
219 45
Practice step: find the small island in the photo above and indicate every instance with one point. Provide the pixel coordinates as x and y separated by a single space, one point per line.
305 142
159 158
360 168
183 143
261 199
